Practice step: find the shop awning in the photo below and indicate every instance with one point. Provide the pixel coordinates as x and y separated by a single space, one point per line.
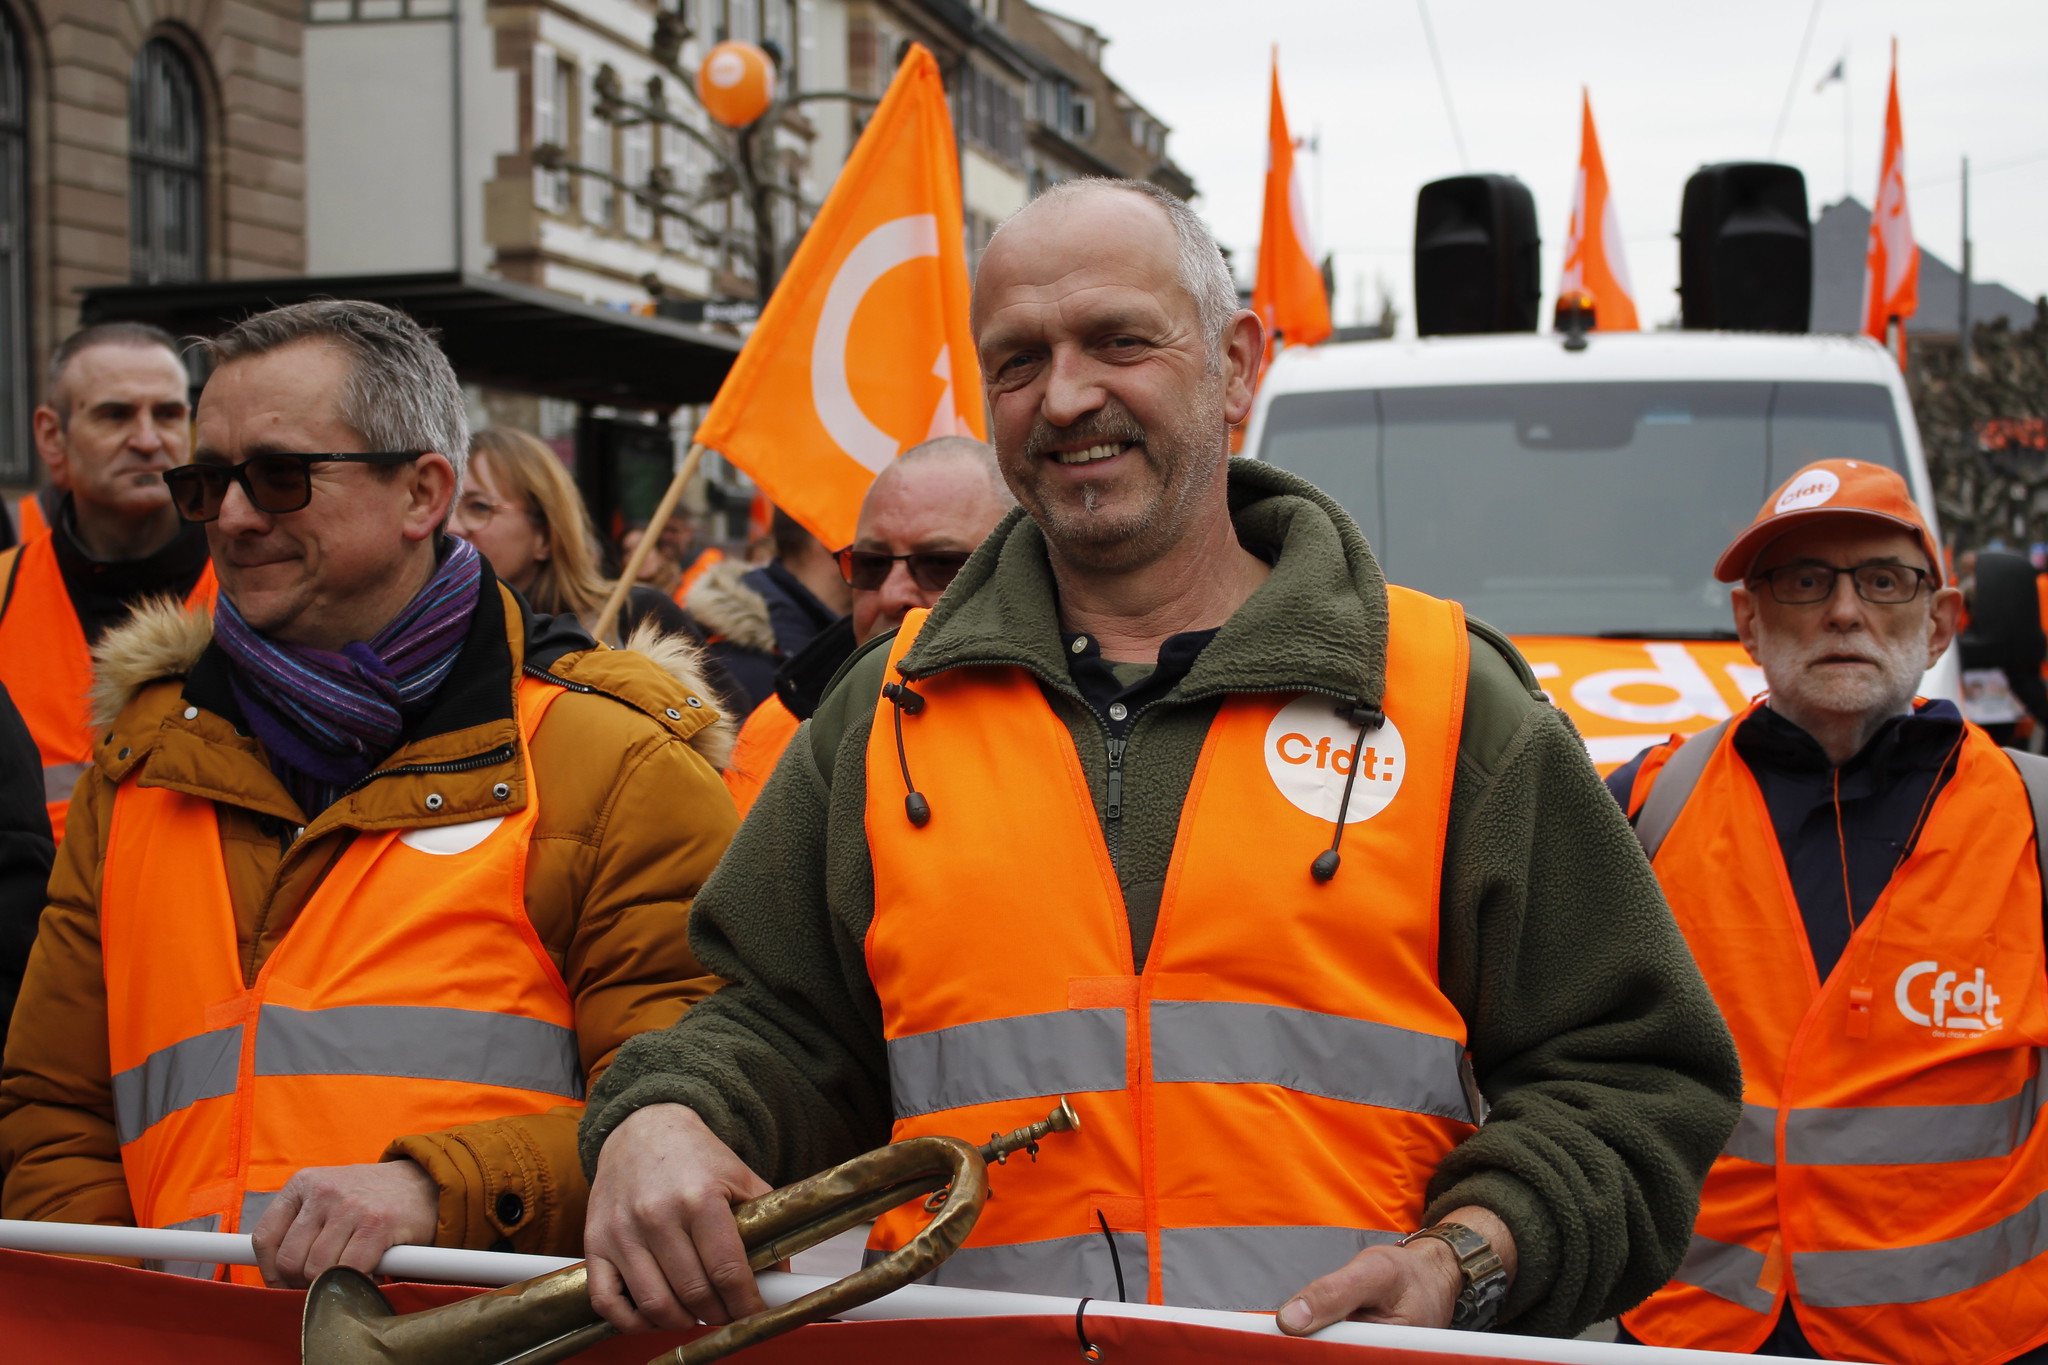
512 336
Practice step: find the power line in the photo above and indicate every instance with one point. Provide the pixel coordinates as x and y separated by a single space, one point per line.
1442 83
1977 172
1798 66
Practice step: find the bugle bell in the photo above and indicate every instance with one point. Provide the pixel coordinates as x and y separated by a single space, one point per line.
549 1318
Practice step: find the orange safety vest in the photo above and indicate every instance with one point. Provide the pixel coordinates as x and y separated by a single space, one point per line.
1889 1178
711 556
411 995
47 666
1273 1092
28 519
766 734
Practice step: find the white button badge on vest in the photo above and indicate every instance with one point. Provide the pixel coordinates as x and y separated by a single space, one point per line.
1308 752
446 840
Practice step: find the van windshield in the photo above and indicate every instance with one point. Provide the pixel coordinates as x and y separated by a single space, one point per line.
1571 509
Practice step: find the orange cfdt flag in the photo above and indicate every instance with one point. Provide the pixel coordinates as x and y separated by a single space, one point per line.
1593 260
863 350
1891 268
1288 292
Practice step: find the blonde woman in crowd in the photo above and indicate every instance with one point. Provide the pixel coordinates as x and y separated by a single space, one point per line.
520 508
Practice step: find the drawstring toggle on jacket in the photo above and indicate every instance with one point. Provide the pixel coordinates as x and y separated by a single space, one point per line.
903 699
1367 719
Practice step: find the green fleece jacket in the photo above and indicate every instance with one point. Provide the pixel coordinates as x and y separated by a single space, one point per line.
1611 1078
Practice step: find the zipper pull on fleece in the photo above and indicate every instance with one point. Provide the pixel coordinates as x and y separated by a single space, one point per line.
1116 780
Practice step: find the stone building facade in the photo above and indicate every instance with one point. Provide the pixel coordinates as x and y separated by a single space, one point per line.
140 140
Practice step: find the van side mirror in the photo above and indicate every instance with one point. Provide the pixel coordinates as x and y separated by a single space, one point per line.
2005 615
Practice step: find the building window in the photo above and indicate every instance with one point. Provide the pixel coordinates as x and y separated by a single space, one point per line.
375 11
166 168
1081 121
554 97
994 115
598 194
15 353
743 21
636 148
778 27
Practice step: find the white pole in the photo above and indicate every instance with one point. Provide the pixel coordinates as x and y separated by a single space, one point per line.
446 1265
491 1268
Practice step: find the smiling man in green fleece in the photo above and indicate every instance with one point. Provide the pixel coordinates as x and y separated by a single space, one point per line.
1365 995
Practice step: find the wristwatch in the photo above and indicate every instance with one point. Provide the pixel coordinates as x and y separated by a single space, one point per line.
1486 1279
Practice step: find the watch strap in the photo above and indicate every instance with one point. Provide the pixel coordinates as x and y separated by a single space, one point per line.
1485 1275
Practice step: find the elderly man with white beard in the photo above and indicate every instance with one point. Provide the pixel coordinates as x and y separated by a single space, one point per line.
1857 873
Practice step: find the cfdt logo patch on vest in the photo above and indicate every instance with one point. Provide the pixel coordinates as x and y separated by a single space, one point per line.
1811 491
1308 752
1949 1003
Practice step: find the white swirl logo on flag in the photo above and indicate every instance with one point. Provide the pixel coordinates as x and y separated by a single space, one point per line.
895 243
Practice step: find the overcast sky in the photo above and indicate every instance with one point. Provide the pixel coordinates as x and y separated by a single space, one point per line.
1674 86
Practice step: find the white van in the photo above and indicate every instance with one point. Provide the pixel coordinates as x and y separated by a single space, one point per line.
1577 499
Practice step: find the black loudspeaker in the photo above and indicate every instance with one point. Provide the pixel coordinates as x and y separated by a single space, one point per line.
2005 615
1745 249
1476 256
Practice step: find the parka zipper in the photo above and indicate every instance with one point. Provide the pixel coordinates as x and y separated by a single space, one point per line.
504 753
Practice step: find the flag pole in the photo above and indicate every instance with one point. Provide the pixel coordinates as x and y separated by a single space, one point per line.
608 619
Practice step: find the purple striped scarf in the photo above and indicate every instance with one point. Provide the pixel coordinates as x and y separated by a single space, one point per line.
327 719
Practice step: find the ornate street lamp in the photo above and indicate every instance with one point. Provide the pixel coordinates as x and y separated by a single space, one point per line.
735 86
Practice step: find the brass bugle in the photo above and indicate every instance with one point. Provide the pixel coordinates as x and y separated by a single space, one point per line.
549 1318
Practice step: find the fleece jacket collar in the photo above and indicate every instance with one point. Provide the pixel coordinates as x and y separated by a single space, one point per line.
1318 622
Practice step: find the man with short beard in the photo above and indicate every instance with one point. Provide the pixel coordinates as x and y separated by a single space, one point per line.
1173 806
1857 873
115 417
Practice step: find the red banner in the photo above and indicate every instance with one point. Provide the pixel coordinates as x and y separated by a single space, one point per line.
55 1309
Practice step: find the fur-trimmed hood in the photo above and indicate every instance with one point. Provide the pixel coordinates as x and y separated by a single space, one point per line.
729 610
164 639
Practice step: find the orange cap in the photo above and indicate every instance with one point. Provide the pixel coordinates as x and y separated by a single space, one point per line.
1830 488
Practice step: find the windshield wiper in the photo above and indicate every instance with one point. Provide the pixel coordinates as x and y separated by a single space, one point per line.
1664 635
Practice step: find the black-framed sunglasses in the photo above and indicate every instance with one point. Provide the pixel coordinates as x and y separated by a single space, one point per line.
931 570
1802 585
272 483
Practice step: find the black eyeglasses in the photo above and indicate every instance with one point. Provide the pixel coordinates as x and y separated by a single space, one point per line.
272 483
931 570
1801 585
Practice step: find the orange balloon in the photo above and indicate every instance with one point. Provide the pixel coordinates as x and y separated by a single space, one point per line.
736 83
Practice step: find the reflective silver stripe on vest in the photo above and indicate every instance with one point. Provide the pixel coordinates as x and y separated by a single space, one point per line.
1253 1268
1022 1057
254 1202
1755 1137
1726 1270
1065 1267
59 779
1910 1134
1230 1042
1915 1274
479 1047
198 1068
197 1270
1892 1135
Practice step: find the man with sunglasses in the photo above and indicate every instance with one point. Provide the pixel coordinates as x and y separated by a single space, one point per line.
920 520
1858 874
114 421
374 869
1286 877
